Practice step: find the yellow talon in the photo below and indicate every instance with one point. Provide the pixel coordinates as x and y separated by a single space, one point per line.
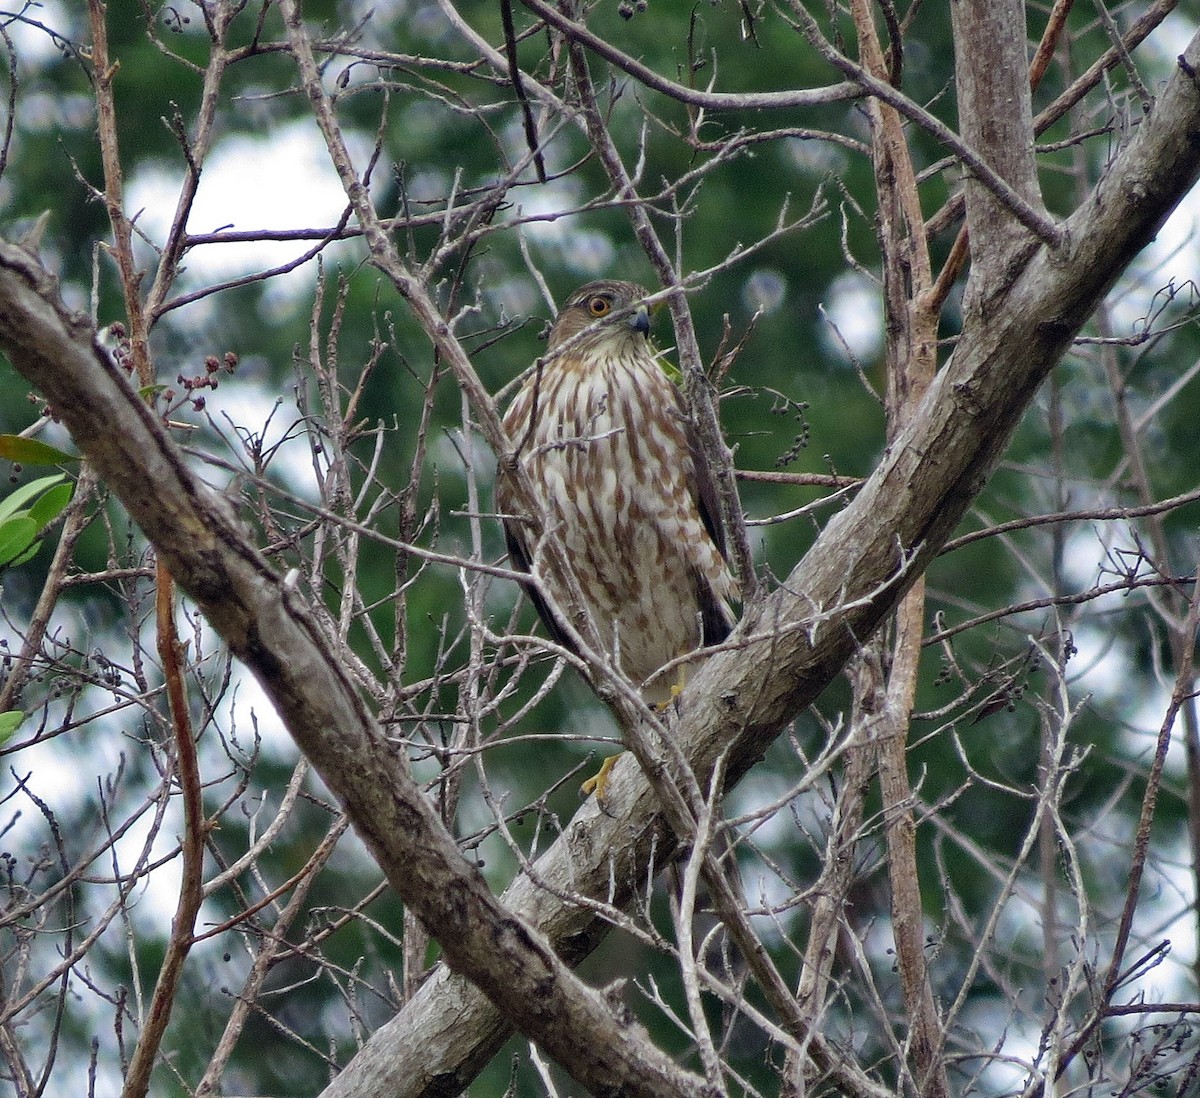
598 782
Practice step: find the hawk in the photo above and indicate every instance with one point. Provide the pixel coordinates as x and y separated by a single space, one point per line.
603 433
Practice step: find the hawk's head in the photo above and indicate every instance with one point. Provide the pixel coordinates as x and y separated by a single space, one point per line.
615 309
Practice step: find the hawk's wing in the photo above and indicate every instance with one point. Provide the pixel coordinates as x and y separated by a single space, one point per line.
716 620
716 616
520 558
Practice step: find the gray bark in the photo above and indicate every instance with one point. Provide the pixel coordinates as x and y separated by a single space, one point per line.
995 115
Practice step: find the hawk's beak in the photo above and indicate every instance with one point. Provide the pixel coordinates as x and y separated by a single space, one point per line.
639 320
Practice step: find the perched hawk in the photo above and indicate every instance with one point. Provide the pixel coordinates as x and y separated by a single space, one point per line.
603 434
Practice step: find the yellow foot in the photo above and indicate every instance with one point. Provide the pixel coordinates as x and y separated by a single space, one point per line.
598 782
676 690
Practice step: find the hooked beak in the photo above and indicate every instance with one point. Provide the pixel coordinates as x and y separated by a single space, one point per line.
639 319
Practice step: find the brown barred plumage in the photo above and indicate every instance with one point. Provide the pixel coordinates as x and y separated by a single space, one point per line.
612 455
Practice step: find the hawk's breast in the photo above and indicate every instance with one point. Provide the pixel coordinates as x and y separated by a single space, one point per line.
609 455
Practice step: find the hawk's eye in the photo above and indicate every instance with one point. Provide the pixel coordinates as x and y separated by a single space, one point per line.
599 306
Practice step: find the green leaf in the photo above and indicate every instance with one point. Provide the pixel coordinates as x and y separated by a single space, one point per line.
29 451
19 527
51 504
10 721
25 557
17 533
670 369
12 503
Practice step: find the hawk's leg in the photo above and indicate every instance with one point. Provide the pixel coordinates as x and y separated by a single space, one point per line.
598 782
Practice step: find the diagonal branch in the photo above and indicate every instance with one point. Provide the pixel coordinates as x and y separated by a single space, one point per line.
1032 217
695 97
268 626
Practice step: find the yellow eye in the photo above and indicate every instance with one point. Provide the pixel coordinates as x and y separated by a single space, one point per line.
599 306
